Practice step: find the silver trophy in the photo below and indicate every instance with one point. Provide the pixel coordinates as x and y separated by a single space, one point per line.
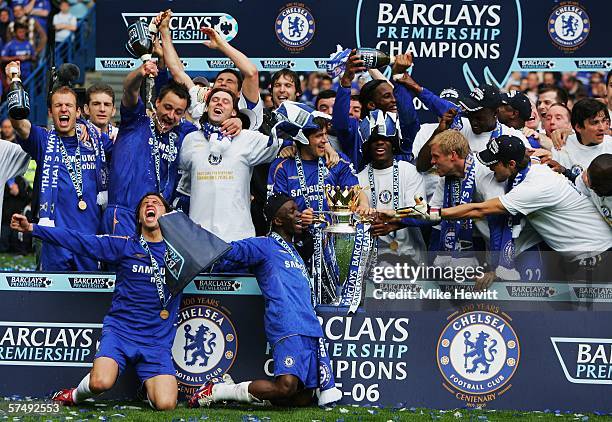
347 249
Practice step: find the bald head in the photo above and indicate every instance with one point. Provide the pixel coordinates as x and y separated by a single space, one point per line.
600 175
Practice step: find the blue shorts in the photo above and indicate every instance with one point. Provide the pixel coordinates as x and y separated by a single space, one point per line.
297 355
148 361
118 221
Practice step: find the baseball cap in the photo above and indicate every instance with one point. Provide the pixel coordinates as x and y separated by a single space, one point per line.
201 80
450 94
504 147
518 101
483 96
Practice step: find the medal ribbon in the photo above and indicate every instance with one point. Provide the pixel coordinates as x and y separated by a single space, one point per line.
159 280
75 171
154 142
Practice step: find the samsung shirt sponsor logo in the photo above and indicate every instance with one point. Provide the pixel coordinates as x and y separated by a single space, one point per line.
584 360
29 281
48 344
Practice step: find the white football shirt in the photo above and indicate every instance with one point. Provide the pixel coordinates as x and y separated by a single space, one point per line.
567 221
220 192
410 240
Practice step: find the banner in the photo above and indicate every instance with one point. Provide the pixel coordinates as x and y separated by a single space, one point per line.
454 43
523 346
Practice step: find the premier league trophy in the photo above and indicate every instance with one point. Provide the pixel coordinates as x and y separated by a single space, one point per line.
140 45
347 251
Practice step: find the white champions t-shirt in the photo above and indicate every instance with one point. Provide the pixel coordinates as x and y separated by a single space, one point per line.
602 203
567 220
220 193
410 240
479 142
577 157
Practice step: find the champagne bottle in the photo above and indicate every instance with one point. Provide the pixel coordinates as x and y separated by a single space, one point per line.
17 98
373 58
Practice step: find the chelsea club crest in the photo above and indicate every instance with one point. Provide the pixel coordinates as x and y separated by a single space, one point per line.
478 353
215 159
295 27
569 26
205 346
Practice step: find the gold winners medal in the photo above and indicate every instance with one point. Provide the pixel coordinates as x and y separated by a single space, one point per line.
82 205
393 245
164 314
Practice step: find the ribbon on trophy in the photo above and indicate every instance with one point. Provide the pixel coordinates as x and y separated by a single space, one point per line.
327 392
352 288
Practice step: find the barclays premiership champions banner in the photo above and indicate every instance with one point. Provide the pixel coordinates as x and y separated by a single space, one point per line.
519 345
477 41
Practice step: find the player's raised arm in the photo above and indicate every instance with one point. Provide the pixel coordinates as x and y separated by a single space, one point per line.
131 85
250 84
171 57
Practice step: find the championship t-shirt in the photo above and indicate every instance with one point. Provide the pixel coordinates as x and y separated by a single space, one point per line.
602 203
567 220
430 177
577 157
220 188
485 185
409 240
480 141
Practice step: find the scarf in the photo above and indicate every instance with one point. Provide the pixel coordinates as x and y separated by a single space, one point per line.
503 232
456 236
219 143
50 171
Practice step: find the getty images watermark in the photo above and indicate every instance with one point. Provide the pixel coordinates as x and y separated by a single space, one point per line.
411 273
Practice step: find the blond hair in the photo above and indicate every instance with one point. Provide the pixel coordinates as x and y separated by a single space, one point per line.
451 140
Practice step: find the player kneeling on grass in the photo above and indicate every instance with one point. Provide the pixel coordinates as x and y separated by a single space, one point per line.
140 325
301 363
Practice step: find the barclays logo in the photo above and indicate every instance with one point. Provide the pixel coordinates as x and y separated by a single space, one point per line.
584 360
475 39
185 26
